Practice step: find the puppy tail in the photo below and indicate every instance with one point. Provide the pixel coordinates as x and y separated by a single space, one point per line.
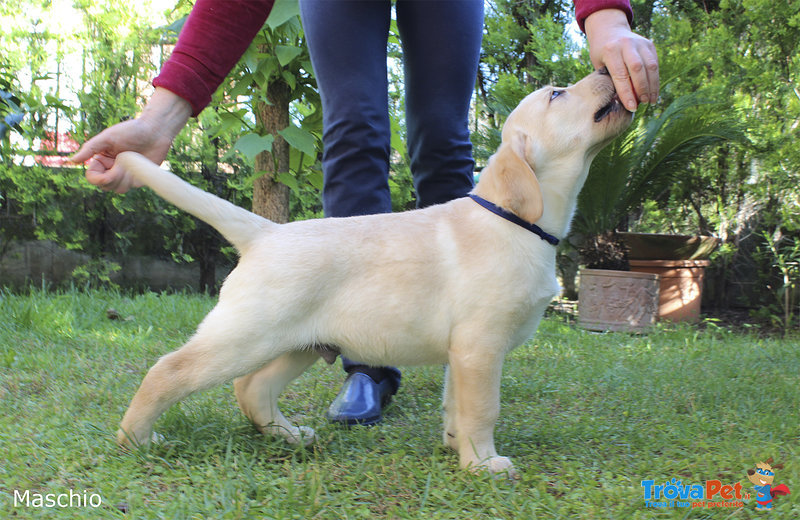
236 224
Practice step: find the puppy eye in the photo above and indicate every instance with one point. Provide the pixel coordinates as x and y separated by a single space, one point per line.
555 94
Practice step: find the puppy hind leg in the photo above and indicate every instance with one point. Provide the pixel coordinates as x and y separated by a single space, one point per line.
257 394
166 383
203 362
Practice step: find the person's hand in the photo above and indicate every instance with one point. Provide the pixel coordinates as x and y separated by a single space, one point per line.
631 59
151 134
101 151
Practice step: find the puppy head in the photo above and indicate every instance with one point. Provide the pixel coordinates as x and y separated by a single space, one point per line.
554 132
572 123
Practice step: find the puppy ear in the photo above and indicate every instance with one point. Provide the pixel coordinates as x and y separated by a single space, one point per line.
510 182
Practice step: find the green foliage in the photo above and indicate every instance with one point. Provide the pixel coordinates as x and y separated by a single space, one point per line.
745 52
782 255
117 61
116 48
278 55
11 110
54 199
650 158
525 46
252 144
96 274
530 42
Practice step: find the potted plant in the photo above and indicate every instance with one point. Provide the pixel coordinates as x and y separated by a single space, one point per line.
641 165
680 261
611 296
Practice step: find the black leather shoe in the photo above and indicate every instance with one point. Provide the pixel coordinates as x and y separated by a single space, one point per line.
360 401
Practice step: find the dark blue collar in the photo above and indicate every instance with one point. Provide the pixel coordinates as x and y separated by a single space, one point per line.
533 228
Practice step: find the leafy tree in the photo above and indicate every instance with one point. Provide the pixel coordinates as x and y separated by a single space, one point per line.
526 45
746 52
283 138
117 51
33 113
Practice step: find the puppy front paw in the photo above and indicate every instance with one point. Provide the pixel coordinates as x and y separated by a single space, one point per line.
502 466
297 435
305 436
496 466
127 441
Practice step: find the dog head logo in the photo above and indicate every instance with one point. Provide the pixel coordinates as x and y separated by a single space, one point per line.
762 477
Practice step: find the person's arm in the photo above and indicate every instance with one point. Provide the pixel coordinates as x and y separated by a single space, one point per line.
585 8
214 37
631 60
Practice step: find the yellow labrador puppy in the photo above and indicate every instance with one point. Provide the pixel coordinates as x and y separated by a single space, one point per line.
460 283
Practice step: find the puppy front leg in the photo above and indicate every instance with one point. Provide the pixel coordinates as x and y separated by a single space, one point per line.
474 381
450 435
257 394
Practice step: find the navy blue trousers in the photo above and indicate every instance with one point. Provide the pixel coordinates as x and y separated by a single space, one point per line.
441 48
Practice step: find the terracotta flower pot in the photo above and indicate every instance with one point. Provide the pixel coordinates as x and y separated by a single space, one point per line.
680 260
617 300
681 286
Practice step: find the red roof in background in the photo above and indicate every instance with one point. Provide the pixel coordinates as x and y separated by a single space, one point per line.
65 143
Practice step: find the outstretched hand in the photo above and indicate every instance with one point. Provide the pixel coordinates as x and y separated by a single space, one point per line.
631 59
101 152
151 135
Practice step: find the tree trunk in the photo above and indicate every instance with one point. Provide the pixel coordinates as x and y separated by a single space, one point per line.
205 241
206 252
270 197
522 14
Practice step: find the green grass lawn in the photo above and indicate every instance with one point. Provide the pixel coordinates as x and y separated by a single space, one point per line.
586 418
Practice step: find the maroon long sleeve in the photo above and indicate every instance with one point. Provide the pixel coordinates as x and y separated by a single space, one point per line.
217 32
583 8
214 37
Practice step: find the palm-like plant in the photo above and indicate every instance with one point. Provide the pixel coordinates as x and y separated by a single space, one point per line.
643 163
